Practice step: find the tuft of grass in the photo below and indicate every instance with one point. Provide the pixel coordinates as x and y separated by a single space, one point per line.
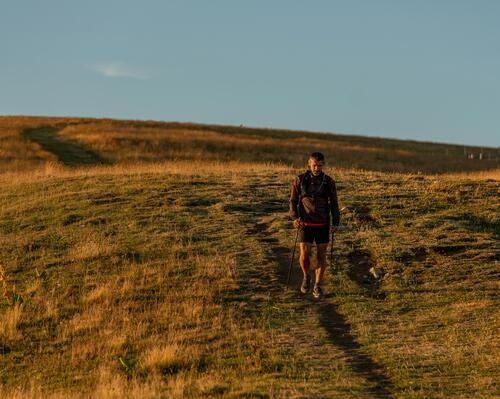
9 321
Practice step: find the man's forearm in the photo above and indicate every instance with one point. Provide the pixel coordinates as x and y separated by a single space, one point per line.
293 209
335 217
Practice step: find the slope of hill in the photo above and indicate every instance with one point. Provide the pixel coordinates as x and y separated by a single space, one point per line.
114 141
167 280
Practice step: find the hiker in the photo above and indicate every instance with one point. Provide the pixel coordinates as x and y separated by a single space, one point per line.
313 198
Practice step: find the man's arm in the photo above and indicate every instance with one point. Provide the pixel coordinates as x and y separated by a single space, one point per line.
334 204
294 199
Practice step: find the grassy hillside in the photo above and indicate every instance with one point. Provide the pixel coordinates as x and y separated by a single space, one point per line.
114 141
166 279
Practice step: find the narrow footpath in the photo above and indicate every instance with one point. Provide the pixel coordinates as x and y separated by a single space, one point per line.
345 347
68 152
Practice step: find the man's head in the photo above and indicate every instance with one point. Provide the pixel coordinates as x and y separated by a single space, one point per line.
316 162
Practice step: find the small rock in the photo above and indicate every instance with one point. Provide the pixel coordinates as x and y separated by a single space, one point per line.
377 272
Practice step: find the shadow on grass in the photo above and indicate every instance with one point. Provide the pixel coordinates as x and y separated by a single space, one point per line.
336 325
482 225
339 333
67 152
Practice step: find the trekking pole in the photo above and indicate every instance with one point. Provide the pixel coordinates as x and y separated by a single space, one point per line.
291 260
331 251
331 244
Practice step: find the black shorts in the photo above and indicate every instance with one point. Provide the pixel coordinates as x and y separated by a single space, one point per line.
320 234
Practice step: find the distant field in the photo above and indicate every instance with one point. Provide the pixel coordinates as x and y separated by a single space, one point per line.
165 278
135 141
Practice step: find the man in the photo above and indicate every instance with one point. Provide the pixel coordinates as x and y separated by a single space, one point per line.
313 198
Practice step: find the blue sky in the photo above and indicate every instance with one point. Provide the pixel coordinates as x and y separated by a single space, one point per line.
423 70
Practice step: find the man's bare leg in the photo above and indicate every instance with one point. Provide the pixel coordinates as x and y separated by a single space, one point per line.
305 253
305 264
320 271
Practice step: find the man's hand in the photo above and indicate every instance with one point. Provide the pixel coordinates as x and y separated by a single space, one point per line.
297 224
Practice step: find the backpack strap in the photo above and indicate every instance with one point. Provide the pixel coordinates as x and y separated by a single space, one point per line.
305 181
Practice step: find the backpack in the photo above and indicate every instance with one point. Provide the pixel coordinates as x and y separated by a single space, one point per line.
306 180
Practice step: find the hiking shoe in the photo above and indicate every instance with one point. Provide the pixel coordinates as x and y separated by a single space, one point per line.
305 288
318 292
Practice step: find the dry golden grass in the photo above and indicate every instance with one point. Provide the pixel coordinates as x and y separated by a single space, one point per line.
9 321
92 246
18 154
150 280
120 307
481 175
189 168
166 356
122 142
132 142
132 310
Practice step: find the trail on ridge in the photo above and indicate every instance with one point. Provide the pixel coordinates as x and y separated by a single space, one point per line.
67 152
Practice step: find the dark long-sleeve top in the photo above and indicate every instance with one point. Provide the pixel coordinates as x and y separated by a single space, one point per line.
315 206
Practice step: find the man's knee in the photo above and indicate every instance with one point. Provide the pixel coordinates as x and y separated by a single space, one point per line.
305 249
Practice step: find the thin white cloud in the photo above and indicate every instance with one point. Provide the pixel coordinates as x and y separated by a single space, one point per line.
117 69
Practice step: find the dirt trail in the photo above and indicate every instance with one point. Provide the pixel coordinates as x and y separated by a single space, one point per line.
335 324
68 152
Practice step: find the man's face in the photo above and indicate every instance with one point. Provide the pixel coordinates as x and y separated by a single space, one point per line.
316 167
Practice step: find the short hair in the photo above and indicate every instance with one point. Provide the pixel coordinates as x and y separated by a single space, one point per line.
317 156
